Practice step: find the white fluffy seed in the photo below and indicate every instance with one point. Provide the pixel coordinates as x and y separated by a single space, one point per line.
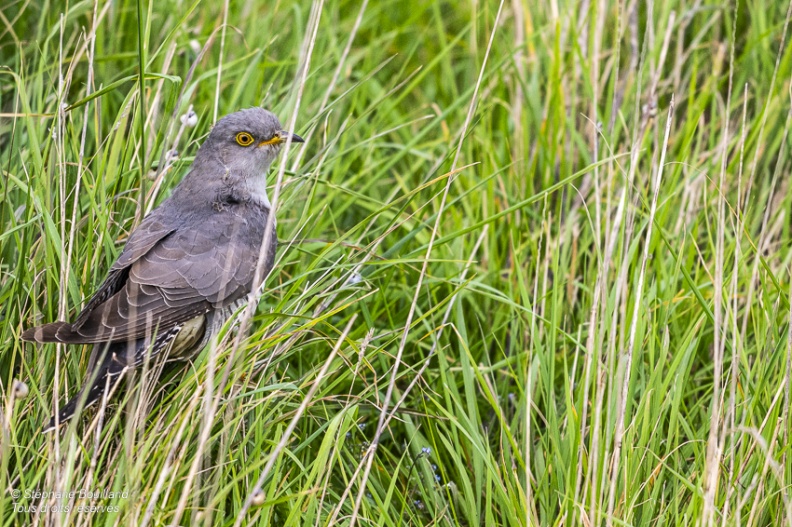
354 279
258 498
21 389
190 118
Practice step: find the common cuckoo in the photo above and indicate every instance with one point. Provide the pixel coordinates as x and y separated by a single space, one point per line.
187 266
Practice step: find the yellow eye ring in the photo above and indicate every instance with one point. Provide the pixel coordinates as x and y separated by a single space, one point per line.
244 139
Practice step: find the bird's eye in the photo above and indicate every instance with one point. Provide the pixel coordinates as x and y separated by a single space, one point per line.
244 139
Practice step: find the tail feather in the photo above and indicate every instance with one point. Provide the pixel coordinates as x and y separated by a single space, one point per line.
113 360
92 391
67 411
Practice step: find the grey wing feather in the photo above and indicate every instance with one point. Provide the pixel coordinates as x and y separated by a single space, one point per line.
150 232
186 274
167 275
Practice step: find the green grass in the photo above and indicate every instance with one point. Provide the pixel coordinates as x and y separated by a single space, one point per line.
591 328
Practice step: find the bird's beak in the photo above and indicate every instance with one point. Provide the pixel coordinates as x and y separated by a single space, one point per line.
284 135
281 137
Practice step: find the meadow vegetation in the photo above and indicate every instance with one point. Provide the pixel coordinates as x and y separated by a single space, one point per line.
533 267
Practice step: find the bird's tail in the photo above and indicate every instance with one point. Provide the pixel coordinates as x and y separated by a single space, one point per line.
110 360
104 377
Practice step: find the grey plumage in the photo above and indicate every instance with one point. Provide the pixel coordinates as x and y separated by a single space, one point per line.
187 266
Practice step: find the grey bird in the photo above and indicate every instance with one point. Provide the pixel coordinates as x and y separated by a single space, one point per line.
188 265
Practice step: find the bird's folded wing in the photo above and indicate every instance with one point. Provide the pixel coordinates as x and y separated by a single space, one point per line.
186 274
153 229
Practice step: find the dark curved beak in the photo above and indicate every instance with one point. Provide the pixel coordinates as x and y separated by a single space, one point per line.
284 135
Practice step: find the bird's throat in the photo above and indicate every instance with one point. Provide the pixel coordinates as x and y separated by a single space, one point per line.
256 189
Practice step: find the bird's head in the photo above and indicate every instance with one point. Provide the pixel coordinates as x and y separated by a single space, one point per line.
248 141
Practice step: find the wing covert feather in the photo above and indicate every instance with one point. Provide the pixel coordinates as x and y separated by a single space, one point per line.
187 272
